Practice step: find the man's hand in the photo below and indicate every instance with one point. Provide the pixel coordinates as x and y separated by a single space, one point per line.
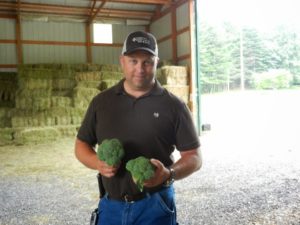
160 176
106 170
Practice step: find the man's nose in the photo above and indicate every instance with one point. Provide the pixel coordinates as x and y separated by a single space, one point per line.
140 67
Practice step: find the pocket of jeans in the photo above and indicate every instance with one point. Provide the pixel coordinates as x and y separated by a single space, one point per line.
166 202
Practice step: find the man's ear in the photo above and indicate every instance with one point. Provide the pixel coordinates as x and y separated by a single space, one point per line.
121 59
157 62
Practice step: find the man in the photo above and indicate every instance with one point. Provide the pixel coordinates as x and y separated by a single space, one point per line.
150 122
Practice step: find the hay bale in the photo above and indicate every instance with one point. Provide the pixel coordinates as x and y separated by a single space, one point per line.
35 103
172 75
6 136
67 131
60 101
28 93
107 84
181 91
109 75
63 83
83 96
88 84
36 135
29 72
35 83
111 67
8 87
88 76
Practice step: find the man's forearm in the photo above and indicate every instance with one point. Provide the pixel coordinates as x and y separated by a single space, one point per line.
85 154
189 162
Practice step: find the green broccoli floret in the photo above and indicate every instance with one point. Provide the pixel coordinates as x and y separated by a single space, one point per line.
111 151
141 169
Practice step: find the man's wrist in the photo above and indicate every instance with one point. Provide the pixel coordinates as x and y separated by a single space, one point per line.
171 178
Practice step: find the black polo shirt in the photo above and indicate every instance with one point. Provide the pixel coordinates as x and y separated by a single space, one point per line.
152 125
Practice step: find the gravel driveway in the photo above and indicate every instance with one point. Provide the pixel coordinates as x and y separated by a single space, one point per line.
233 189
244 180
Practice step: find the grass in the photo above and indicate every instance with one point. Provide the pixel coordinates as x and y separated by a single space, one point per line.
54 158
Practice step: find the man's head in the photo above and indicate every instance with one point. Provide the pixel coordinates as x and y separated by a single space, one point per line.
139 60
140 41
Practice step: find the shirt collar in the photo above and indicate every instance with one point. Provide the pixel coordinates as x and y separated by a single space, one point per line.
156 90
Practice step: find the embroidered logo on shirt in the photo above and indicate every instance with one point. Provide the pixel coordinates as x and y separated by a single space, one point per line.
156 114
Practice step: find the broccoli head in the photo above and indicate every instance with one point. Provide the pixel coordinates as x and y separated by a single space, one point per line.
141 169
111 151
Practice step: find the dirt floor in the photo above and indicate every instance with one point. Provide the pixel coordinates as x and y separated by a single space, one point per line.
250 173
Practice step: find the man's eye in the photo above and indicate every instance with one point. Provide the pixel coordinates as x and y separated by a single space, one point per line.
148 62
133 61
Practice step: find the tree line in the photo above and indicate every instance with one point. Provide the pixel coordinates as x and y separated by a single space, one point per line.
266 60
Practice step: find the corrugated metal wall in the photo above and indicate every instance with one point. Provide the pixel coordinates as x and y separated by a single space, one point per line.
183 39
64 42
8 54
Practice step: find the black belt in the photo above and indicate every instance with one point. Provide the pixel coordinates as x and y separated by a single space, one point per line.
133 198
130 198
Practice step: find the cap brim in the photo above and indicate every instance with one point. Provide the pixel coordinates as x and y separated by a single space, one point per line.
140 49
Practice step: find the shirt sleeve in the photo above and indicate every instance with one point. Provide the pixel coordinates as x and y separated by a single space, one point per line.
186 134
87 130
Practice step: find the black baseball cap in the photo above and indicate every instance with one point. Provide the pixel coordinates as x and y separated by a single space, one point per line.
140 40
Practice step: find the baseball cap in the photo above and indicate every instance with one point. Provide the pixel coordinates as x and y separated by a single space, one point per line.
140 40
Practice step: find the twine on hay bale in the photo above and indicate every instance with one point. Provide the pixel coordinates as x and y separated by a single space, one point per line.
173 75
36 135
88 76
181 91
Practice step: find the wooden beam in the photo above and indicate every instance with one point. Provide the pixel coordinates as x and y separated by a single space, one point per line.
191 103
168 10
7 16
174 35
66 43
19 35
98 10
46 9
88 42
160 2
8 66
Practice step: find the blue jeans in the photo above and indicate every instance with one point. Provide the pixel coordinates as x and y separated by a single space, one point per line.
156 209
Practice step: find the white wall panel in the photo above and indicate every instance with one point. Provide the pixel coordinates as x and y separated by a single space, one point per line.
183 44
184 62
120 32
106 55
53 31
165 50
162 27
7 29
54 54
182 16
8 54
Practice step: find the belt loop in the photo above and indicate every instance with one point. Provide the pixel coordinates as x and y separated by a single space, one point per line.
148 194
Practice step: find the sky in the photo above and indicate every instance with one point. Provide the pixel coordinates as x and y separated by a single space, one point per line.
262 14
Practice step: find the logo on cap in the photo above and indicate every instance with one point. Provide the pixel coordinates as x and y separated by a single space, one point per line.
140 40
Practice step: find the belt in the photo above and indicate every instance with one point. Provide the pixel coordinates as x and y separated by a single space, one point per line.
130 198
133 198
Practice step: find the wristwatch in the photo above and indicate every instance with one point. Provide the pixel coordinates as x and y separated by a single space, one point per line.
171 178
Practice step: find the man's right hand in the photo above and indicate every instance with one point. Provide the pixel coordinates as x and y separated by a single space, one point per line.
106 170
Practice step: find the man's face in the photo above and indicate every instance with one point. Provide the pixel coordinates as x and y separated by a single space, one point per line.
139 70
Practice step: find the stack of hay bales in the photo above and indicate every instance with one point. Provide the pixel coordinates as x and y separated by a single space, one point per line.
7 89
176 80
90 83
8 86
47 101
7 97
87 86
